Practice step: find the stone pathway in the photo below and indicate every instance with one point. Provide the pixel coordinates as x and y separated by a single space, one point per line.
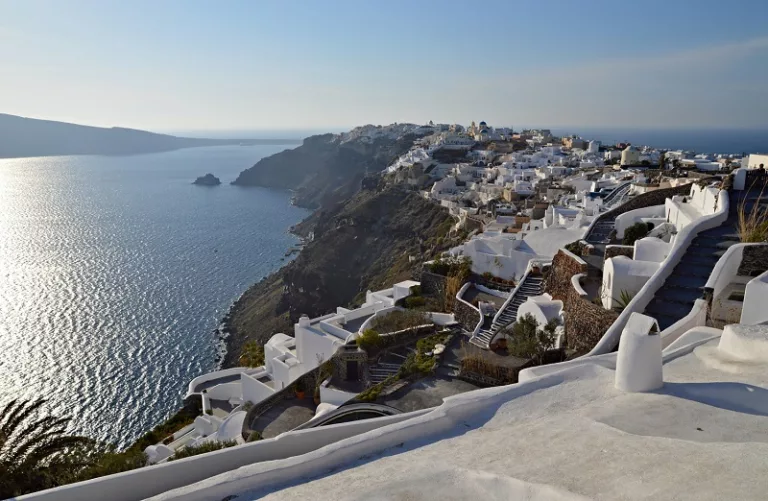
676 296
531 286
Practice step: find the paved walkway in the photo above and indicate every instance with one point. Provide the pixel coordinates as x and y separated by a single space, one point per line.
354 325
474 293
284 416
426 393
210 384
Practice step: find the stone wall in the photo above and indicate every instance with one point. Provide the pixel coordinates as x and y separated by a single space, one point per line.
756 178
557 281
472 224
754 261
585 322
465 315
403 337
619 250
432 284
351 354
501 375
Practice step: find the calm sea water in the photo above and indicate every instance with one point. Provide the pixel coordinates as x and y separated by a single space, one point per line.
699 140
115 272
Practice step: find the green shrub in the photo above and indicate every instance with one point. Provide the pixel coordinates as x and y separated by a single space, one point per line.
574 247
625 297
252 355
415 301
106 461
372 393
399 320
427 344
173 424
452 265
635 232
369 339
416 363
195 450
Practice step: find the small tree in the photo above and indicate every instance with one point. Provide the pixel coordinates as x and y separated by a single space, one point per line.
369 339
528 341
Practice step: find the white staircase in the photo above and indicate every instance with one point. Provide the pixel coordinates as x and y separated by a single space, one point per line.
531 286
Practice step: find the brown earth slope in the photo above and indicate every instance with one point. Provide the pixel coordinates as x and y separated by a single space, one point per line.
377 237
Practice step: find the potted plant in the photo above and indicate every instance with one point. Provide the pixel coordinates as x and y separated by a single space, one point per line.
299 389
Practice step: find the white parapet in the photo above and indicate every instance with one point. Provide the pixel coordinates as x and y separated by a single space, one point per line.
638 364
745 342
754 310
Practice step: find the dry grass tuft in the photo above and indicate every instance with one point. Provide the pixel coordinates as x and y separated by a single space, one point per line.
753 224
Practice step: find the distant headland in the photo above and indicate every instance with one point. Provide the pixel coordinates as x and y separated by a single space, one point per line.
31 137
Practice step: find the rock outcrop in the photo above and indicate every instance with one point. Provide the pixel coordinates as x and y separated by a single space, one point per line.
207 180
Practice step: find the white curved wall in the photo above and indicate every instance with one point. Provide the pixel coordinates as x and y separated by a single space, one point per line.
258 371
226 391
146 482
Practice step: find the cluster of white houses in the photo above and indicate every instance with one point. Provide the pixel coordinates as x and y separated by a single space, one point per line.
224 393
705 387
523 206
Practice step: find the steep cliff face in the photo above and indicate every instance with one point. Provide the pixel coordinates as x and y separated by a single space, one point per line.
364 243
326 168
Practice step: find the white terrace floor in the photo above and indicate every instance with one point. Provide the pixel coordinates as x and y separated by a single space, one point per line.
704 436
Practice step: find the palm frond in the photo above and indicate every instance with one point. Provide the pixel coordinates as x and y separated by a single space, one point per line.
35 433
22 412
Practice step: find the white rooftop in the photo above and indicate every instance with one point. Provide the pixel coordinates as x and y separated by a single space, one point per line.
565 435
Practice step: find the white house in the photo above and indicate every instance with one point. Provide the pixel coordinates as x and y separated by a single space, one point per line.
630 156
755 161
702 164
622 275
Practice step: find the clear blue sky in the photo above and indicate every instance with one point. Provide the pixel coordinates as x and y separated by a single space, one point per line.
225 65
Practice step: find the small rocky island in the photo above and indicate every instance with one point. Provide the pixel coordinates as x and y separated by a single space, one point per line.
208 180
